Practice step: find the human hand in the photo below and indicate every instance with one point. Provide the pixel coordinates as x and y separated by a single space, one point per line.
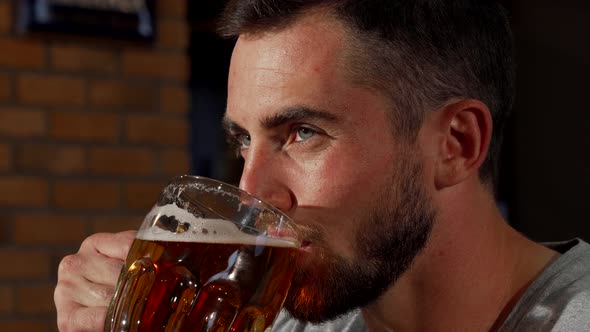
86 281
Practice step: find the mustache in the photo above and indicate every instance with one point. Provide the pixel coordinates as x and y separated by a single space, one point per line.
311 234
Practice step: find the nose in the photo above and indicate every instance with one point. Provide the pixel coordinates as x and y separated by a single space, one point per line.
264 176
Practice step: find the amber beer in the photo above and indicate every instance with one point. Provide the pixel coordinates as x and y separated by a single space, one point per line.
208 275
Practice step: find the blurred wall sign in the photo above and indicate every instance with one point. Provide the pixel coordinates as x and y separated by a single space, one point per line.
115 19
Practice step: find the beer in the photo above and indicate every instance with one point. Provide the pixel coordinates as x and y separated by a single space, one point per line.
205 275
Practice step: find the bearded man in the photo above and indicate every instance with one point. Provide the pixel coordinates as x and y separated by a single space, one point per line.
376 126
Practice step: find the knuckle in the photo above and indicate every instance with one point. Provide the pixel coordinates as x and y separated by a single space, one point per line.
91 241
60 293
70 263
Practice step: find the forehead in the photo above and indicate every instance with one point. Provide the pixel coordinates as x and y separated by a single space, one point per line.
314 40
301 63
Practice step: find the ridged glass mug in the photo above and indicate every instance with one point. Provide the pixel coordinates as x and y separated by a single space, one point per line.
207 257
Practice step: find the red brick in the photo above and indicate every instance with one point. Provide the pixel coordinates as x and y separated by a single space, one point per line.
85 127
7 300
5 228
5 16
173 34
50 158
49 229
24 265
142 195
26 325
157 130
22 191
18 53
175 162
147 64
172 8
5 157
21 123
113 224
122 161
174 99
84 60
35 300
87 195
116 94
5 88
50 90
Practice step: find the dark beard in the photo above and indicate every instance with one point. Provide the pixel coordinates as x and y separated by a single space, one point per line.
386 245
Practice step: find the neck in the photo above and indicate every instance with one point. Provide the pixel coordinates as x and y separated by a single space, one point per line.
470 275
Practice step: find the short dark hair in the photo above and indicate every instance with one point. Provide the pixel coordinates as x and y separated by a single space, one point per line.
420 53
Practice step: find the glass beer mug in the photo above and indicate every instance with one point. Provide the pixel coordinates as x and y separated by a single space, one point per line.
208 257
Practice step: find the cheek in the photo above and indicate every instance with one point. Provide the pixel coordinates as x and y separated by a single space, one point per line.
342 181
321 182
335 198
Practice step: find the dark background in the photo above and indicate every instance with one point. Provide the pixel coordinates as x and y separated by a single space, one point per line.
545 170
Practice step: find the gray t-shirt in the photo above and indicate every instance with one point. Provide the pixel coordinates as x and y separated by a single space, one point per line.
558 300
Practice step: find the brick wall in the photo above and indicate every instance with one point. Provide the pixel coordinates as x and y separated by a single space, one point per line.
89 133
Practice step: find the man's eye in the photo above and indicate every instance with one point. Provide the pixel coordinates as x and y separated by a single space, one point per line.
244 140
304 133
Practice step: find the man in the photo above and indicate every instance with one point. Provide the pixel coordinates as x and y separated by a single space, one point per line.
371 124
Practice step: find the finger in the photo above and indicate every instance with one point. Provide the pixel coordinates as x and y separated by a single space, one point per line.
80 291
78 318
94 268
111 245
87 279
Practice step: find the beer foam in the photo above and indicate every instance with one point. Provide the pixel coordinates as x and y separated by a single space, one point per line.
202 230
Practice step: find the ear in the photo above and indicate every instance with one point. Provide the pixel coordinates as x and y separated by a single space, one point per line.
466 128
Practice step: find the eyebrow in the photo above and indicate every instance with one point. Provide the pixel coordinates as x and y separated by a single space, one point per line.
296 113
230 127
290 114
